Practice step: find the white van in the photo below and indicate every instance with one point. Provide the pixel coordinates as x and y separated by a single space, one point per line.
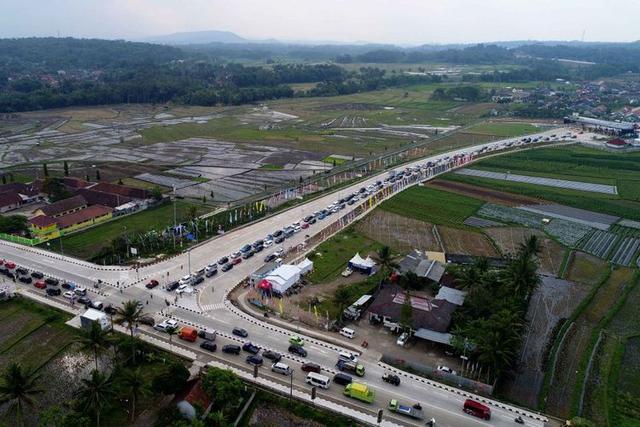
347 357
281 368
186 280
318 380
349 333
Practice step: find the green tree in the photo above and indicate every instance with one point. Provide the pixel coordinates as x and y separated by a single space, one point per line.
19 387
406 313
94 394
522 276
171 379
225 387
217 419
171 331
45 170
156 193
385 259
531 246
135 385
96 340
130 313
65 166
192 212
13 224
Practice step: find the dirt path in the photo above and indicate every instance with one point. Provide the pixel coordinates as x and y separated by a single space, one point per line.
492 196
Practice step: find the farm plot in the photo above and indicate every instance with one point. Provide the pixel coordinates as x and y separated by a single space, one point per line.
510 215
586 268
508 240
462 242
398 232
549 182
474 221
488 195
600 243
626 251
581 216
567 232
38 347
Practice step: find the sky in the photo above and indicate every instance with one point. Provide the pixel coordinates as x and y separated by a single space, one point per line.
405 22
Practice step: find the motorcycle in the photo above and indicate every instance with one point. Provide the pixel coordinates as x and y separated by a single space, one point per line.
519 420
431 423
391 379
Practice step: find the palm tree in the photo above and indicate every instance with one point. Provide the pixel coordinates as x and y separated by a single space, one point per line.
130 313
521 274
385 259
94 393
171 331
19 386
135 385
95 339
531 246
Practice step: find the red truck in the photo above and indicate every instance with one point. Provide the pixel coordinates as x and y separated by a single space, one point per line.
477 409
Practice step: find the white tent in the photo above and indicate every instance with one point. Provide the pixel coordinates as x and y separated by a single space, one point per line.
364 265
283 277
305 266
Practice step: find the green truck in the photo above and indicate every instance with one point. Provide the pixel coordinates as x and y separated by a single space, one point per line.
360 391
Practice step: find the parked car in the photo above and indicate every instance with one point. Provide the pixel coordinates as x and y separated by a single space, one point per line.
231 349
51 281
198 280
248 254
258 249
268 242
109 309
236 261
80 291
186 280
254 360
208 345
279 239
446 369
84 300
402 339
184 289
250 348
22 271
37 275
223 260
272 355
240 332
172 286
310 367
166 324
152 284
40 284
391 379
342 379
53 292
281 368
245 248
296 349
270 257
257 243
99 305
10 265
69 295
25 279
147 320
228 266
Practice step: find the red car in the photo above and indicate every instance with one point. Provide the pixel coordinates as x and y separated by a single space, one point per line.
304 225
10 265
40 284
236 261
152 284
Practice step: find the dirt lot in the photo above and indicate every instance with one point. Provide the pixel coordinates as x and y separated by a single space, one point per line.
577 341
461 242
399 232
553 300
585 268
508 240
265 415
492 196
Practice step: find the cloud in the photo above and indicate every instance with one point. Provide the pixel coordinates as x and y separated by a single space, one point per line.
387 21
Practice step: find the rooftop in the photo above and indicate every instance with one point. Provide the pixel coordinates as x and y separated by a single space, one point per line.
83 215
64 205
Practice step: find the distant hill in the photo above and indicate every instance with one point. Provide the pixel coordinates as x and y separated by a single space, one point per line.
197 37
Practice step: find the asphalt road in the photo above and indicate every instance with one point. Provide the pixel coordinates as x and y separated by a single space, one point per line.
445 406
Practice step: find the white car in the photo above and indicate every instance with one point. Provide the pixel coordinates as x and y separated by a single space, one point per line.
402 339
185 280
296 227
184 289
166 324
235 255
447 369
80 291
267 243
69 295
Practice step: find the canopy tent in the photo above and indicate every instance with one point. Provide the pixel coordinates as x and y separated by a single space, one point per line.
283 277
305 266
366 266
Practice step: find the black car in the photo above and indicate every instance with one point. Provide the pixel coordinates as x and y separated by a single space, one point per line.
172 286
278 233
147 320
270 258
245 248
231 349
223 260
210 273
258 248
250 348
296 349
208 345
254 360
197 281
288 233
342 379
53 292
25 279
66 285
257 243
248 254
109 309
51 281
22 271
84 300
37 275
228 266
391 379
279 239
240 332
272 355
